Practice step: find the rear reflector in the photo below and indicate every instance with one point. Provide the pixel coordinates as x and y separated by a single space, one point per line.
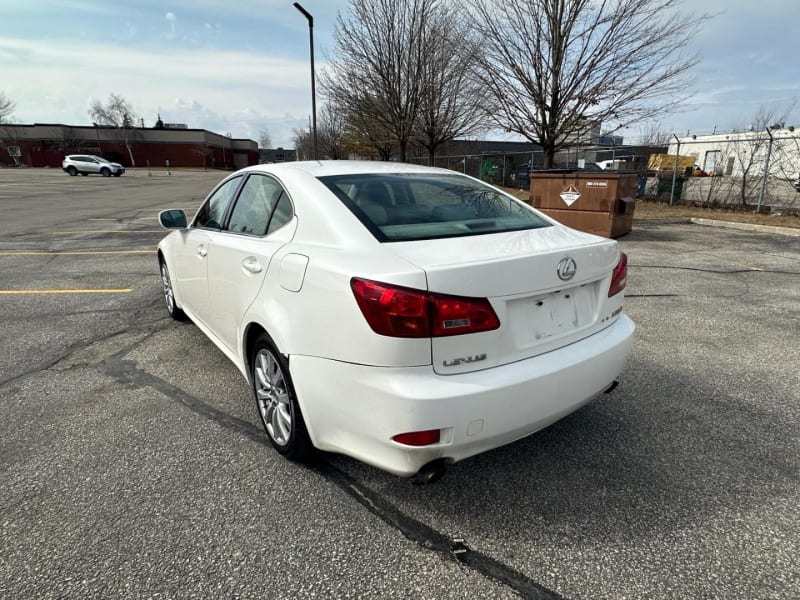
418 438
620 276
406 312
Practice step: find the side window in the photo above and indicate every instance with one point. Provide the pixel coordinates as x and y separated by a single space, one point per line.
282 214
255 205
212 213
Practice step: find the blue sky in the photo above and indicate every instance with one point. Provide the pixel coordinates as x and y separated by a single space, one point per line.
240 66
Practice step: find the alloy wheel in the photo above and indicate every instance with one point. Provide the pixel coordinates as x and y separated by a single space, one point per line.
272 395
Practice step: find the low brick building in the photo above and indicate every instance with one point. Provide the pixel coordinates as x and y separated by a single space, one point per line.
45 145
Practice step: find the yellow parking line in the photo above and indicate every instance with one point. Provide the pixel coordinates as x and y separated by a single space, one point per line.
109 291
108 231
80 252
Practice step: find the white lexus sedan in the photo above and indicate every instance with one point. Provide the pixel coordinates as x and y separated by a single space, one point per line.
406 316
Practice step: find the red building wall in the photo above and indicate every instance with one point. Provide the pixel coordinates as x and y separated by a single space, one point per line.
50 153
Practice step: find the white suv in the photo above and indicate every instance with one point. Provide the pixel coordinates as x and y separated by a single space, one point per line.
89 163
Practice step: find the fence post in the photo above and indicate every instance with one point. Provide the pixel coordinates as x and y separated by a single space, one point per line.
766 172
674 170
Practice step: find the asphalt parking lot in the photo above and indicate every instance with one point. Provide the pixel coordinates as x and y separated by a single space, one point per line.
133 467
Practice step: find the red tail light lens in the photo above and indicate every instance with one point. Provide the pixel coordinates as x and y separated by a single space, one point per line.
418 438
453 315
620 276
404 312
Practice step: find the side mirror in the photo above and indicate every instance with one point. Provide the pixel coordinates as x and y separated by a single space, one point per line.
172 219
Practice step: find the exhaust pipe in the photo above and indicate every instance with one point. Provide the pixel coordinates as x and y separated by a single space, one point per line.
430 472
612 387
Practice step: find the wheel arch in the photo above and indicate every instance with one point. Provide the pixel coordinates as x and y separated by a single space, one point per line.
161 257
250 335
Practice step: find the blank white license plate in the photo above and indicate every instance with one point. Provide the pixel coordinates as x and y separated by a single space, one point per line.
558 313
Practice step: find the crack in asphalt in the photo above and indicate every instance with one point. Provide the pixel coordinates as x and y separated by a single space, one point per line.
127 371
716 271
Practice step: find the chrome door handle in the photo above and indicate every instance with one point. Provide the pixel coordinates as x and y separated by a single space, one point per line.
251 264
201 251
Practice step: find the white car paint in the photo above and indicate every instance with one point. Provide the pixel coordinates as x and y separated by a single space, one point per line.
356 388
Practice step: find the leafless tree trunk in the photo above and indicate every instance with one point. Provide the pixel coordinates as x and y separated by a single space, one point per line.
371 136
451 99
553 66
379 64
117 113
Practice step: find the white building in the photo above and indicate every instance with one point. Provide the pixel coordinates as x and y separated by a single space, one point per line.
740 153
739 161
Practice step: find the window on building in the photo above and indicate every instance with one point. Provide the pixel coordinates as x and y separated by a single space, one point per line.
711 160
729 166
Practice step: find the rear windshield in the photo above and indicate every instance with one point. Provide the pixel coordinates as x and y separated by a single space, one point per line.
403 207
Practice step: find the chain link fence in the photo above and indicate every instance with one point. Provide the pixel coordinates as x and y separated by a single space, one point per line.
744 170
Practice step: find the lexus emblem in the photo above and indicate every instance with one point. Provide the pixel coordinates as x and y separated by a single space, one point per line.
566 268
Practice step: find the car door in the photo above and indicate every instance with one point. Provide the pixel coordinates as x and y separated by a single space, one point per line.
91 164
190 269
260 223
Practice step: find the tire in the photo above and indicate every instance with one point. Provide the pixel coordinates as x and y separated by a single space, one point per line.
105 172
169 294
276 401
72 171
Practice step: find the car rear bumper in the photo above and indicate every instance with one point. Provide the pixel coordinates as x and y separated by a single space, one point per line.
356 409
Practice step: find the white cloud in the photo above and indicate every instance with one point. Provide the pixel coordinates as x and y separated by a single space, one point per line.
233 91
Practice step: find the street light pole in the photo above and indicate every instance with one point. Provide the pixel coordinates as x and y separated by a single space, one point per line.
308 16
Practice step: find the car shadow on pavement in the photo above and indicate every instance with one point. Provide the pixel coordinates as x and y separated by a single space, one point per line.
662 452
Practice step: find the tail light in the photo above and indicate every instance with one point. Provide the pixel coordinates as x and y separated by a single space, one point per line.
418 438
620 276
405 312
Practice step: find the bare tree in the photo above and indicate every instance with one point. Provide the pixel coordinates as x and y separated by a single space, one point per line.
654 135
749 149
368 137
378 66
451 100
332 131
117 113
552 66
303 144
7 107
264 139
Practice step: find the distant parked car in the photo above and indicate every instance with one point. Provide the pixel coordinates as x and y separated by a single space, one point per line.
89 163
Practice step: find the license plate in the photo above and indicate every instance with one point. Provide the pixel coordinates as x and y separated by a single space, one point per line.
555 314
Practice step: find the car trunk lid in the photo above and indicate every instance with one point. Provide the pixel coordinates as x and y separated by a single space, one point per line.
539 310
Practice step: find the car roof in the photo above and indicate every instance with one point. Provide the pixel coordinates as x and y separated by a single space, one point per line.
322 168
